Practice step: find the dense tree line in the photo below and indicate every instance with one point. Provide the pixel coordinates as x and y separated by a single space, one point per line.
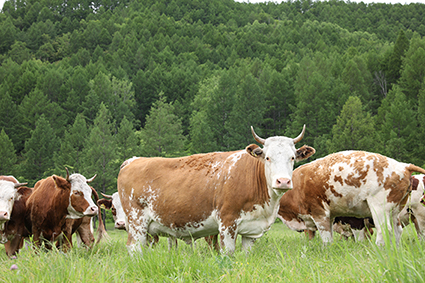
86 85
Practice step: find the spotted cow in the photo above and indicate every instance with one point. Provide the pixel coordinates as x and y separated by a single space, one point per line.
56 199
349 183
226 193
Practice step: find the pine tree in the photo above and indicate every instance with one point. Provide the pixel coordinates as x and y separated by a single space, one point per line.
396 58
100 152
8 155
354 129
128 144
39 150
162 134
71 150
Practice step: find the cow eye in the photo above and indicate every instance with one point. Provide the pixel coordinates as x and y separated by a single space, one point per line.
267 158
293 158
77 193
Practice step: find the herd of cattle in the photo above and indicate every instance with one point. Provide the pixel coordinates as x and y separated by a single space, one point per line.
222 194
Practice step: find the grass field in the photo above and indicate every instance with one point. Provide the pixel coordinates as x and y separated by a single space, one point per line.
281 255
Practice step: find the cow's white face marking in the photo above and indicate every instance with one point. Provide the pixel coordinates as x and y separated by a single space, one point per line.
80 187
119 216
279 159
8 194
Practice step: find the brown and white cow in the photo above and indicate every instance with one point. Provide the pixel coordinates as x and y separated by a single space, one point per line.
56 199
113 203
414 211
226 193
8 194
83 228
349 183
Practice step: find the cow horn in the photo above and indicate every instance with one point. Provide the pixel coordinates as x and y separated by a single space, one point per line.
300 137
106 196
67 174
91 179
257 138
20 184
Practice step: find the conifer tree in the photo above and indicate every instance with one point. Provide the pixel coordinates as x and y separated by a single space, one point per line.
8 155
71 150
38 152
162 134
100 152
354 129
128 143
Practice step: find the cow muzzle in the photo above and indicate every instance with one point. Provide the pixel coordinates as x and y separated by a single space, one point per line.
91 211
4 216
282 184
120 225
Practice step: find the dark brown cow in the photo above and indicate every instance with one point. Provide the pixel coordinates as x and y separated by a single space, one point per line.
15 230
8 194
351 183
226 193
53 201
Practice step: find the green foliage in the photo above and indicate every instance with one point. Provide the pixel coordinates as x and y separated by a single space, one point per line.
162 134
220 67
8 154
354 129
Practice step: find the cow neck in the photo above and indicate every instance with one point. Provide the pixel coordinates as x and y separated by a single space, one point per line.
260 189
60 203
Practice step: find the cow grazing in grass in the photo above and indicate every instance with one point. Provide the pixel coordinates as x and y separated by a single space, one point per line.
56 199
350 183
225 193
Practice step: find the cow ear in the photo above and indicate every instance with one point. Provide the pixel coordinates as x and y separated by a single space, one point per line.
304 152
61 183
104 203
254 150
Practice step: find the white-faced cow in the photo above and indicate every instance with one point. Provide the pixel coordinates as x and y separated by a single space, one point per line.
414 211
349 183
113 203
56 199
226 193
8 194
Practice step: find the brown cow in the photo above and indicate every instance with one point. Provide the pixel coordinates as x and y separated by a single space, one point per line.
83 227
54 200
8 194
226 193
349 183
15 230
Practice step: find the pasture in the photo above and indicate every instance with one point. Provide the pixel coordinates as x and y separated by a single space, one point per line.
281 255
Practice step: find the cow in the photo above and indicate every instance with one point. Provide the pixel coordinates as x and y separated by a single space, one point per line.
83 228
414 211
15 230
55 199
225 193
113 203
8 194
349 183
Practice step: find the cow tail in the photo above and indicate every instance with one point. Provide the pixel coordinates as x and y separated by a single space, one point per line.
414 168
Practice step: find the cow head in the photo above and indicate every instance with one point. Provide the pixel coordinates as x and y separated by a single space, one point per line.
80 201
8 195
278 155
113 203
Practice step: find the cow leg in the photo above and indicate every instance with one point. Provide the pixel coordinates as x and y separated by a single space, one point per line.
247 243
13 245
384 220
172 241
228 239
138 236
309 234
324 225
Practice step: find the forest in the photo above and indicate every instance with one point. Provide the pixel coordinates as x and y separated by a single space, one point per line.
87 84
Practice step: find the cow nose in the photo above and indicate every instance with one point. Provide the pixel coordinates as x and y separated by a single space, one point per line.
120 225
283 183
91 211
4 215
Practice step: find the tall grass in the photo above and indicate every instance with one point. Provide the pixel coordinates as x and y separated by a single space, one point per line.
280 256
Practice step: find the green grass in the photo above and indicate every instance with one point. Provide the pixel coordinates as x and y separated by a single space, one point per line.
281 255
